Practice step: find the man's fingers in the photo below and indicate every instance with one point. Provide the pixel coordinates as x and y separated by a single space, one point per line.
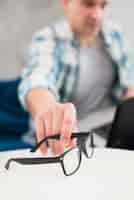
57 146
48 121
69 123
40 132
73 142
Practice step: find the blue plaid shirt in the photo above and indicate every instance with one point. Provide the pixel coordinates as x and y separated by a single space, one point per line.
53 61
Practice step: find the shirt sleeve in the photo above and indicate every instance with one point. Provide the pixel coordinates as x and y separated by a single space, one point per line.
40 66
123 58
125 61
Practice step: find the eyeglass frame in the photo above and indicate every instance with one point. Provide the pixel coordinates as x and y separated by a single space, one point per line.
57 159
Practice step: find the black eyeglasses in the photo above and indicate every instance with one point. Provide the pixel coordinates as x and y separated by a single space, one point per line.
70 160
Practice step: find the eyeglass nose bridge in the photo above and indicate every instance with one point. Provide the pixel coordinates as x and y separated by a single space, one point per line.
83 147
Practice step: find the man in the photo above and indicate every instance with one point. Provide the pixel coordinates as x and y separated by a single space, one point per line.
80 64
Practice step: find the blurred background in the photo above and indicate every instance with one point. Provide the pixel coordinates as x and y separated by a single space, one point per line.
19 19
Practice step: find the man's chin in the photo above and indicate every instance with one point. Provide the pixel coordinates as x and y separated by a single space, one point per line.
92 34
94 31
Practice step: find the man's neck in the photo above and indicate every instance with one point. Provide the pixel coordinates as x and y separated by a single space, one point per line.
87 41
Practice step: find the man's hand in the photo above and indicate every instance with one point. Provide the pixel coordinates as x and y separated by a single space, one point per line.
51 117
129 93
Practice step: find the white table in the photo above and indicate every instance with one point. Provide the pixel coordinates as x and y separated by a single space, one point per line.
107 176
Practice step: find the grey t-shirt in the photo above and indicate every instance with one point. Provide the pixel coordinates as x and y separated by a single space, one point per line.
95 80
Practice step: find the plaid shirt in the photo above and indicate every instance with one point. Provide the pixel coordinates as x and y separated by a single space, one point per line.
53 61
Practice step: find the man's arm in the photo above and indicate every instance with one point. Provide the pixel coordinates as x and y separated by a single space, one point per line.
38 71
39 95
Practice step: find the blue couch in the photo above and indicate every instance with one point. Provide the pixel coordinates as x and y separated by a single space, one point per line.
13 119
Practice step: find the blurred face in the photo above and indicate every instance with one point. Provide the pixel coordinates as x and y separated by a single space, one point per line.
85 16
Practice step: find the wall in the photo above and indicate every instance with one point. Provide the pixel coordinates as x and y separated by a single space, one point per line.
19 19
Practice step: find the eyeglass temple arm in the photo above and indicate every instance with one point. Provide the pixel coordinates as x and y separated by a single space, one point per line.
32 161
57 137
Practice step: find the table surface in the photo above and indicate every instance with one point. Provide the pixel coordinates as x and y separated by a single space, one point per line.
108 175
